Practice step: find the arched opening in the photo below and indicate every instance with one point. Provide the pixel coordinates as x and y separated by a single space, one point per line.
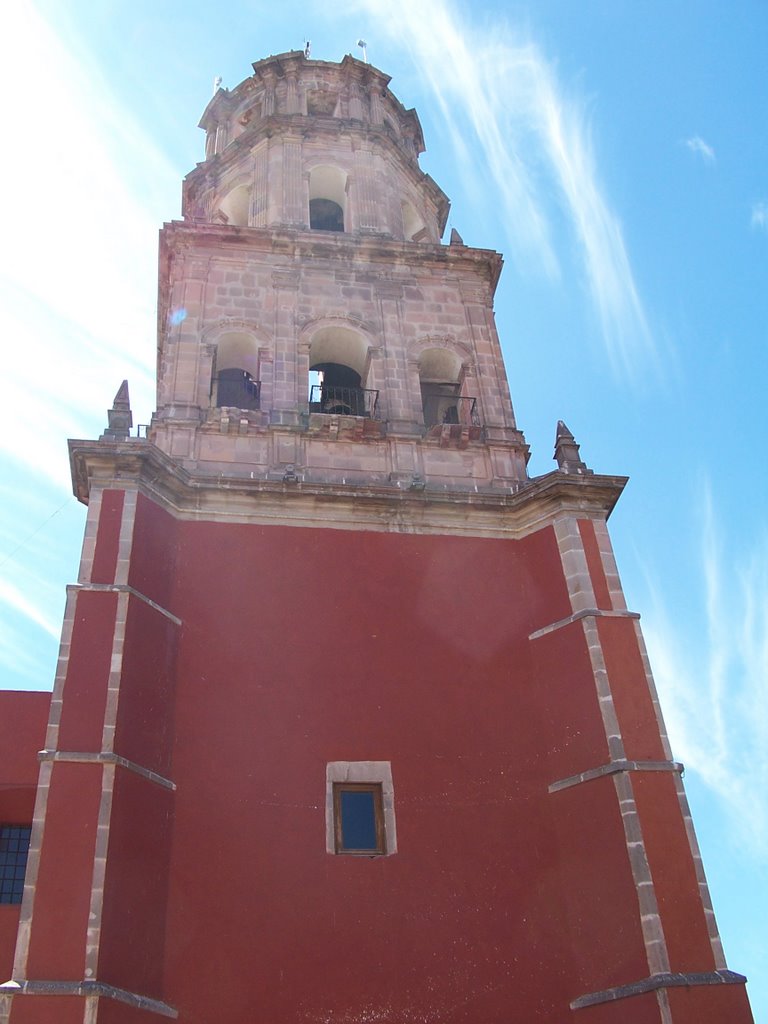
325 215
327 198
235 381
439 373
235 206
414 228
337 365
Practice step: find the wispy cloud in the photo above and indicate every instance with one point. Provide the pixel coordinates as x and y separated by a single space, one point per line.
15 601
77 270
759 218
715 691
701 148
510 117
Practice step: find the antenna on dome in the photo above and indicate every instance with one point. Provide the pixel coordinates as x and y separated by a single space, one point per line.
216 84
364 47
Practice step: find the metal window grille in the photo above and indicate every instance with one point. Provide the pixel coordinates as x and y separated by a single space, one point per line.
14 849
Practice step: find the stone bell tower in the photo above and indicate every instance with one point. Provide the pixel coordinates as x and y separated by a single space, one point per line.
351 720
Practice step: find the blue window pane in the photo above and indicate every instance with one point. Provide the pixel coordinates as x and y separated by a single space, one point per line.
358 820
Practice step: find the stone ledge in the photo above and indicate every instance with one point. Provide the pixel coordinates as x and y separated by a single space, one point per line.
85 989
104 757
655 982
621 765
124 588
586 613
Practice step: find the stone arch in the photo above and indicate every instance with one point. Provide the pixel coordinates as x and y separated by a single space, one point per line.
235 206
338 362
235 348
442 371
441 341
327 198
414 226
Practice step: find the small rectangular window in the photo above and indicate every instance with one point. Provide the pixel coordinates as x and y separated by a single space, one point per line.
14 848
358 818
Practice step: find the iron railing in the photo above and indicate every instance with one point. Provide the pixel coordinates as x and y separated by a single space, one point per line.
440 409
338 401
237 389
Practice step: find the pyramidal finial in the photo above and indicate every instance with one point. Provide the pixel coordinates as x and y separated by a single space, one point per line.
119 417
456 238
567 452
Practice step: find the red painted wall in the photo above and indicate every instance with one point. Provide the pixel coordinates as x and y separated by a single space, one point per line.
136 885
302 646
307 646
62 898
47 1010
23 719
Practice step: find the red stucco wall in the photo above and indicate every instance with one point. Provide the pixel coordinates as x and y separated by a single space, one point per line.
307 646
23 718
297 647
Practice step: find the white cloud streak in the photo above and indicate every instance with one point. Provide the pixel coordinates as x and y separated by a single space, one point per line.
77 267
509 117
715 692
759 217
15 601
699 147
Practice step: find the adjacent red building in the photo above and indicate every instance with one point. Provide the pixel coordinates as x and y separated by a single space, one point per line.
351 724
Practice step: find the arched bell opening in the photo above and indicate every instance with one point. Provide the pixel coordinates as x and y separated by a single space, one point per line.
325 215
235 206
414 228
327 198
337 365
235 382
440 380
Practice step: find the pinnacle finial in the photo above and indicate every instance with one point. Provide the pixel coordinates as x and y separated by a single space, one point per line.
567 452
456 238
119 417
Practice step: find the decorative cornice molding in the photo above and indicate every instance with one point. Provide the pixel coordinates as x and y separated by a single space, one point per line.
300 245
512 512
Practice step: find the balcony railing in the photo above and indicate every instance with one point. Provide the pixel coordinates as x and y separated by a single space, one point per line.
337 401
440 409
238 389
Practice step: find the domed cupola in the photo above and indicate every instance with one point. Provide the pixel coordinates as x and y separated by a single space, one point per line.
314 145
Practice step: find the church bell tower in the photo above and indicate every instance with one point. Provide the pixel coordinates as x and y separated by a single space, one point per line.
351 721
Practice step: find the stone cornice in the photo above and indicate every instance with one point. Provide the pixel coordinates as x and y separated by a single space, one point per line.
376 507
208 173
178 237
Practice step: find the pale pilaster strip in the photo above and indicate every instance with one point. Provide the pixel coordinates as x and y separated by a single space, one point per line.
93 934
701 878
33 867
89 536
610 569
650 919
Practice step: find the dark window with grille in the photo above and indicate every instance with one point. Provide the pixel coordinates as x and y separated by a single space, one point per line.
14 847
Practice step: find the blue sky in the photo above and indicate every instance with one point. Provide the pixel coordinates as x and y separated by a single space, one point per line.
615 152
